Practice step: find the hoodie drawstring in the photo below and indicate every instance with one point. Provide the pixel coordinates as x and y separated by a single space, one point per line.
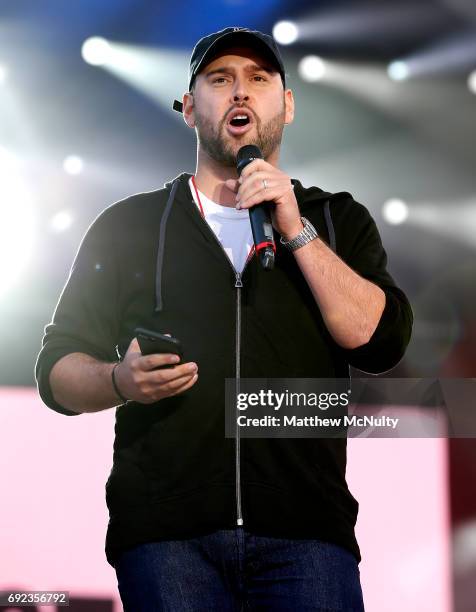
160 251
330 226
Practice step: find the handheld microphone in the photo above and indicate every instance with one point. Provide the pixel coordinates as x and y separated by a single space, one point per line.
260 215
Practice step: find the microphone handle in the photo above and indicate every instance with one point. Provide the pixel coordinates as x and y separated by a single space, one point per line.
262 229
260 214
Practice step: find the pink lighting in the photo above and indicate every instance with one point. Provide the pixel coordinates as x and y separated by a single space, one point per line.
53 519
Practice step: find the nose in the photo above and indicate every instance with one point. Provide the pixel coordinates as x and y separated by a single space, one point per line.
239 92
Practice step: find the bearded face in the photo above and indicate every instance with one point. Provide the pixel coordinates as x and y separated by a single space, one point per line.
223 147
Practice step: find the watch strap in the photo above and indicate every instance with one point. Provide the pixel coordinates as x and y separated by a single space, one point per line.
307 234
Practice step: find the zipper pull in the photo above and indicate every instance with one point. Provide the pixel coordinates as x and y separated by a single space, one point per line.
238 282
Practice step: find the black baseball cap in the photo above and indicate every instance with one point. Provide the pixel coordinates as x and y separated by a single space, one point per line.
208 46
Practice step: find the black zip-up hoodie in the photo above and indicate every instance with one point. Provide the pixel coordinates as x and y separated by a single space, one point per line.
151 260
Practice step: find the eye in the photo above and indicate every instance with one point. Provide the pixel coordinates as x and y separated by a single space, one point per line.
259 76
218 79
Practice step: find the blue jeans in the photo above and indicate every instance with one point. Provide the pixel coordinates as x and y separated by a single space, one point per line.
232 570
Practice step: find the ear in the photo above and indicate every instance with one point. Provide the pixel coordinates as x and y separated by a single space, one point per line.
188 109
289 106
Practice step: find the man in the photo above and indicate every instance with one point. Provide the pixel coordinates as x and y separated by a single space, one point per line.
199 521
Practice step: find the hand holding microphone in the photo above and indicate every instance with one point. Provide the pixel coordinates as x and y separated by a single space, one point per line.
268 193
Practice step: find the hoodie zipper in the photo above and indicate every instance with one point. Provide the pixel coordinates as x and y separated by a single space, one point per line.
238 286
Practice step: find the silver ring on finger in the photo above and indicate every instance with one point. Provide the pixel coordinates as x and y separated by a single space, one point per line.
265 184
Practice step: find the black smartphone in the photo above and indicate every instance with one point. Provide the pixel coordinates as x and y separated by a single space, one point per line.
151 342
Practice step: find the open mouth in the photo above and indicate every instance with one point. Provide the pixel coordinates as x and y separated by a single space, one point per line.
239 122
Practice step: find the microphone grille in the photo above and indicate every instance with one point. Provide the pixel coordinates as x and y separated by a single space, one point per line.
247 152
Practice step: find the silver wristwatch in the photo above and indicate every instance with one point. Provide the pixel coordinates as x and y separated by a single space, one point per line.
307 234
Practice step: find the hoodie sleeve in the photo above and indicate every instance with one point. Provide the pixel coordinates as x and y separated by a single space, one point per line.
360 246
85 318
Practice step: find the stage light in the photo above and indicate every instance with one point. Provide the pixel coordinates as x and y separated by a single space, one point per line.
3 74
455 219
96 51
395 211
398 71
61 221
285 32
452 53
160 74
73 165
472 82
379 22
16 221
311 68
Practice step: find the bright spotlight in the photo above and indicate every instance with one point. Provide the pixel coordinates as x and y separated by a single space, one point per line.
73 165
3 74
61 221
311 68
160 74
472 82
398 71
16 221
285 32
96 51
395 211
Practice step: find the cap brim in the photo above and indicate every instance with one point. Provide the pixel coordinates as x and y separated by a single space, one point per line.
178 106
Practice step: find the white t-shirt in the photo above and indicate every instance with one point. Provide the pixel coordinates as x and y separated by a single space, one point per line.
231 227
